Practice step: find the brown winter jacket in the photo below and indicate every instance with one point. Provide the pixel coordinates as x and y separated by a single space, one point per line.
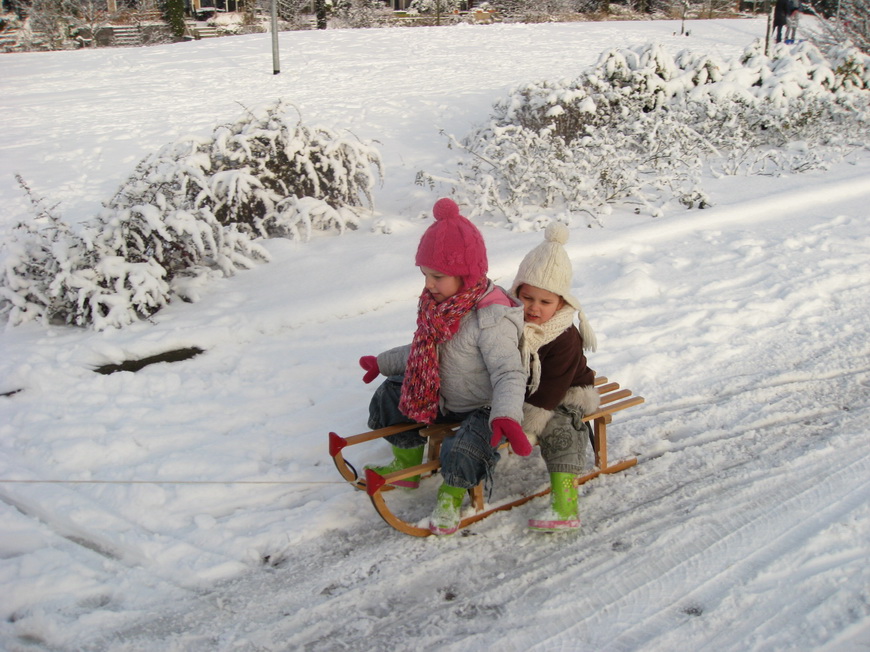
563 365
566 379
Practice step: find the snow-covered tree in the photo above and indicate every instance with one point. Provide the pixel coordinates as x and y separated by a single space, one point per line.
290 11
540 10
86 18
200 201
848 21
321 12
46 25
360 13
173 13
436 8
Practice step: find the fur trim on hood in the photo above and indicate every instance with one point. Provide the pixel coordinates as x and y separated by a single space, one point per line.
535 419
586 398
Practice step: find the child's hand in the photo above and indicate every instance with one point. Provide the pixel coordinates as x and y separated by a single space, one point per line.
510 429
370 364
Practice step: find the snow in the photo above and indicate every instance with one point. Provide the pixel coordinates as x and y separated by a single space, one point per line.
193 505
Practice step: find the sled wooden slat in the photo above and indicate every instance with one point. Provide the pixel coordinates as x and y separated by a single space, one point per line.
616 407
613 399
433 465
381 432
615 396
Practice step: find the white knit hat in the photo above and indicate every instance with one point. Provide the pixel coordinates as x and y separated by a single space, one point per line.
548 267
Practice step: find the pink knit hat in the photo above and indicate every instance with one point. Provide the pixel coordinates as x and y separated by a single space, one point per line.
453 245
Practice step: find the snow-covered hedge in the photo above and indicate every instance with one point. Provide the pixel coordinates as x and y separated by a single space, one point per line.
643 127
193 209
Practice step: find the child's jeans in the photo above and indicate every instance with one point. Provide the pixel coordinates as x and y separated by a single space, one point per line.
466 458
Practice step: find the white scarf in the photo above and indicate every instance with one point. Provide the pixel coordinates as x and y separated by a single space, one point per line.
535 336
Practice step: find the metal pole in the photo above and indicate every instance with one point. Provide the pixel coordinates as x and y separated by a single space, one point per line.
276 66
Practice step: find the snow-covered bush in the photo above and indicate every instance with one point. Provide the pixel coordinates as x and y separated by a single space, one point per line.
643 127
435 6
536 11
360 13
195 208
52 273
252 174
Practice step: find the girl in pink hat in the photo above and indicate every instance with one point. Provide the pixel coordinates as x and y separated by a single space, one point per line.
561 384
463 365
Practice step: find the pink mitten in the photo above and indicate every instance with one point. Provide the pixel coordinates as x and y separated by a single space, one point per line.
504 427
370 364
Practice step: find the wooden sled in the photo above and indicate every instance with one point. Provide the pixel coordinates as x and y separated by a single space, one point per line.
613 399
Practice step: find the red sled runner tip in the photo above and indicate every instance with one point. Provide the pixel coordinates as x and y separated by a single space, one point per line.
336 444
374 481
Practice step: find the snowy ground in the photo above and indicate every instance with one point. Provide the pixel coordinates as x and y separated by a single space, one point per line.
193 506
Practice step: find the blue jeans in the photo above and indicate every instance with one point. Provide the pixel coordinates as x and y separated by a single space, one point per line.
467 457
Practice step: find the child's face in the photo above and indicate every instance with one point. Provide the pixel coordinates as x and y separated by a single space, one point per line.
538 305
441 286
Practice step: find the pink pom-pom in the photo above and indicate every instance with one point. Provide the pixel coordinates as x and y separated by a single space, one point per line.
445 209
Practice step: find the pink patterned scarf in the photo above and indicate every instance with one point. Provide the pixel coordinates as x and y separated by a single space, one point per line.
436 323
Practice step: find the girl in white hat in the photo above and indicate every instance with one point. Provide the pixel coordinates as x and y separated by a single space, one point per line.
560 387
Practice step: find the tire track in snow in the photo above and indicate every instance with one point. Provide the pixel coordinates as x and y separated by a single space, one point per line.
654 508
645 573
730 544
750 394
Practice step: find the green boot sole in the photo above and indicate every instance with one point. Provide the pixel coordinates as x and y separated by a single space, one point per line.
446 515
562 513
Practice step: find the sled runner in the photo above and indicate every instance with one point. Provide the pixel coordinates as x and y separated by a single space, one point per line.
613 399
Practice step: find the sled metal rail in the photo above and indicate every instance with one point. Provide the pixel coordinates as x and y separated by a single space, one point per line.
613 399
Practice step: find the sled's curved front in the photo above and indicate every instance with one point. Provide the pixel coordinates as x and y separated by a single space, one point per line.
337 444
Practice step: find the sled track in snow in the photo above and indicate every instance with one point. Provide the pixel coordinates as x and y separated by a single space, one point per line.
641 587
671 589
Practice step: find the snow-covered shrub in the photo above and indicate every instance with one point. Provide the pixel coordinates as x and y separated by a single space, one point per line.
643 127
193 209
252 174
52 273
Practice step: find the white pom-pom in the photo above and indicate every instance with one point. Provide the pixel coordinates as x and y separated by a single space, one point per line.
556 232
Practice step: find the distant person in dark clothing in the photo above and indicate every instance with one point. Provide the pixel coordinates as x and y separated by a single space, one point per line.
780 17
794 16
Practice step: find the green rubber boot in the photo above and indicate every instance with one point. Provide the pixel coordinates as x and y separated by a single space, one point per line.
562 513
446 515
403 458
